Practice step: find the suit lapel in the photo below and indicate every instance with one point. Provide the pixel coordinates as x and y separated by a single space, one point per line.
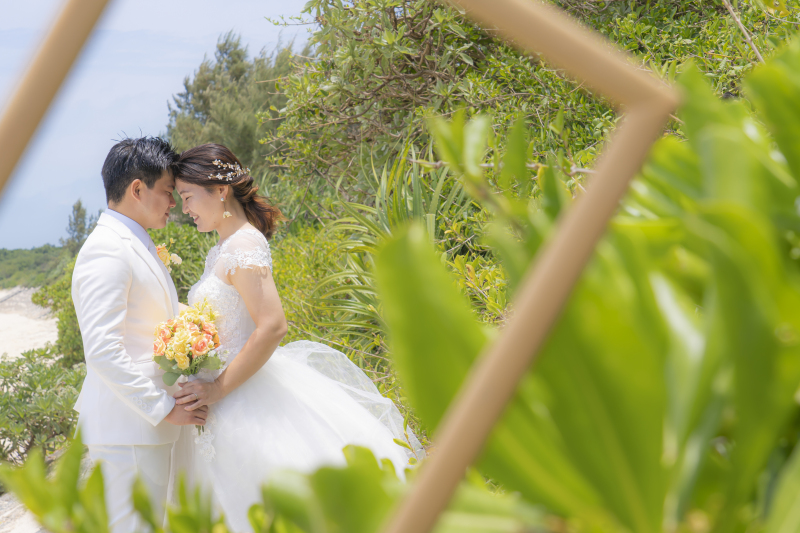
158 269
141 250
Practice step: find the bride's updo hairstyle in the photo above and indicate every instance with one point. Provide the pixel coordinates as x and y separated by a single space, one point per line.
212 165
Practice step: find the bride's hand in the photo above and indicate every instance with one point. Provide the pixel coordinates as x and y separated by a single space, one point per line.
196 394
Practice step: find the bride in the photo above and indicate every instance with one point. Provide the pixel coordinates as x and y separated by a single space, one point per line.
271 407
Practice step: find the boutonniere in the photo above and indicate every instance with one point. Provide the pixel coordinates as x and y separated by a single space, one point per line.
167 258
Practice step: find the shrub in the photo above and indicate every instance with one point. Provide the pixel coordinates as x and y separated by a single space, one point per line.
58 297
37 393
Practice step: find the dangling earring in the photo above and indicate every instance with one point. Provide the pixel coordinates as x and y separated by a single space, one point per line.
226 214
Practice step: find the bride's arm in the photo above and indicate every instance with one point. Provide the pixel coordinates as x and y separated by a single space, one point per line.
264 305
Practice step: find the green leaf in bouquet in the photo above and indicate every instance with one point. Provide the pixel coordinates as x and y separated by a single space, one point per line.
170 378
164 363
211 363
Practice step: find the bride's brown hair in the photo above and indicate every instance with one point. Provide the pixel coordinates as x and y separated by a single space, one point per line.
197 165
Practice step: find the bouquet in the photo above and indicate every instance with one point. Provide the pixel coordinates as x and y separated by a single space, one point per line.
187 343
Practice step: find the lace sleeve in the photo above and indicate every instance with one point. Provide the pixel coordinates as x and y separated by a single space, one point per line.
248 250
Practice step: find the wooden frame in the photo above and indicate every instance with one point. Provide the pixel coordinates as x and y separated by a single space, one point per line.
541 29
40 83
532 26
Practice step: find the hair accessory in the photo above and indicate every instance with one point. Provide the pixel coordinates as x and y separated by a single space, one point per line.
236 171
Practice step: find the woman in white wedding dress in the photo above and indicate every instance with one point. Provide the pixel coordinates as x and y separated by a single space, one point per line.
271 407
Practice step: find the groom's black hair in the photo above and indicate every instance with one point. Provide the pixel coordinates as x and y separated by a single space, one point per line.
145 159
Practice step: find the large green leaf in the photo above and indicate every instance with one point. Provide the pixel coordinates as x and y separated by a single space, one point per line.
758 304
774 88
435 340
604 370
785 514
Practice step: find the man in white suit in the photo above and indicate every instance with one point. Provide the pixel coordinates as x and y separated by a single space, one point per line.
121 291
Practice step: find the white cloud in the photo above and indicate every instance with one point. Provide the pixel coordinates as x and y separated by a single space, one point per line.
137 59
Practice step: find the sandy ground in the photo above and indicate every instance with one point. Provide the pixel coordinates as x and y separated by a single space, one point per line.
15 519
23 325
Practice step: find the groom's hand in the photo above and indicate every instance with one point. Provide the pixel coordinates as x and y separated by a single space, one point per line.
181 417
196 394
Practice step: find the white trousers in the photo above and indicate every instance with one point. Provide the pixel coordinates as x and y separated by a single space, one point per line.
120 466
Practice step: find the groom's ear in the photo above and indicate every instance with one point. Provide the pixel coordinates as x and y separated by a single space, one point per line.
135 188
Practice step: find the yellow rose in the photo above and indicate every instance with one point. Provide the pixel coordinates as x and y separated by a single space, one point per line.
169 353
192 316
180 342
183 361
163 254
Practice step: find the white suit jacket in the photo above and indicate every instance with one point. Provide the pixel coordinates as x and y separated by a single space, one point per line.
121 293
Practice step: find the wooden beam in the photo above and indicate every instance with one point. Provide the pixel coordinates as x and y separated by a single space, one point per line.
40 83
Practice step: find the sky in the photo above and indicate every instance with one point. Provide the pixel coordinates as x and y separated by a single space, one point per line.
137 58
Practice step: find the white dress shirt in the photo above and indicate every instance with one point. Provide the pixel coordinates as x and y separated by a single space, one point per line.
140 233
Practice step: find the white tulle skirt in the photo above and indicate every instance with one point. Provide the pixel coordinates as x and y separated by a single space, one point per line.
297 412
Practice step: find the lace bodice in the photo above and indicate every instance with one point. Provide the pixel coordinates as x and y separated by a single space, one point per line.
247 248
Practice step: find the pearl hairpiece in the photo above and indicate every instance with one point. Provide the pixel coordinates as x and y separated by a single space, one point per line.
236 171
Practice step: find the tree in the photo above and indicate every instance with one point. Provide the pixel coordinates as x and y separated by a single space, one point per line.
78 228
220 103
380 68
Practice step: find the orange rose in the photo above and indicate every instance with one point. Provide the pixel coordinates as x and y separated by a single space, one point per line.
216 341
164 333
209 329
159 346
201 345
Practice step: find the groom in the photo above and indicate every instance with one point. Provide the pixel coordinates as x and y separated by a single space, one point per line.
121 291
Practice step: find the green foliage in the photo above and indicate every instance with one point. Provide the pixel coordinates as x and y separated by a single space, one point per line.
58 297
191 246
319 502
300 258
62 504
324 501
652 401
36 398
380 69
30 268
